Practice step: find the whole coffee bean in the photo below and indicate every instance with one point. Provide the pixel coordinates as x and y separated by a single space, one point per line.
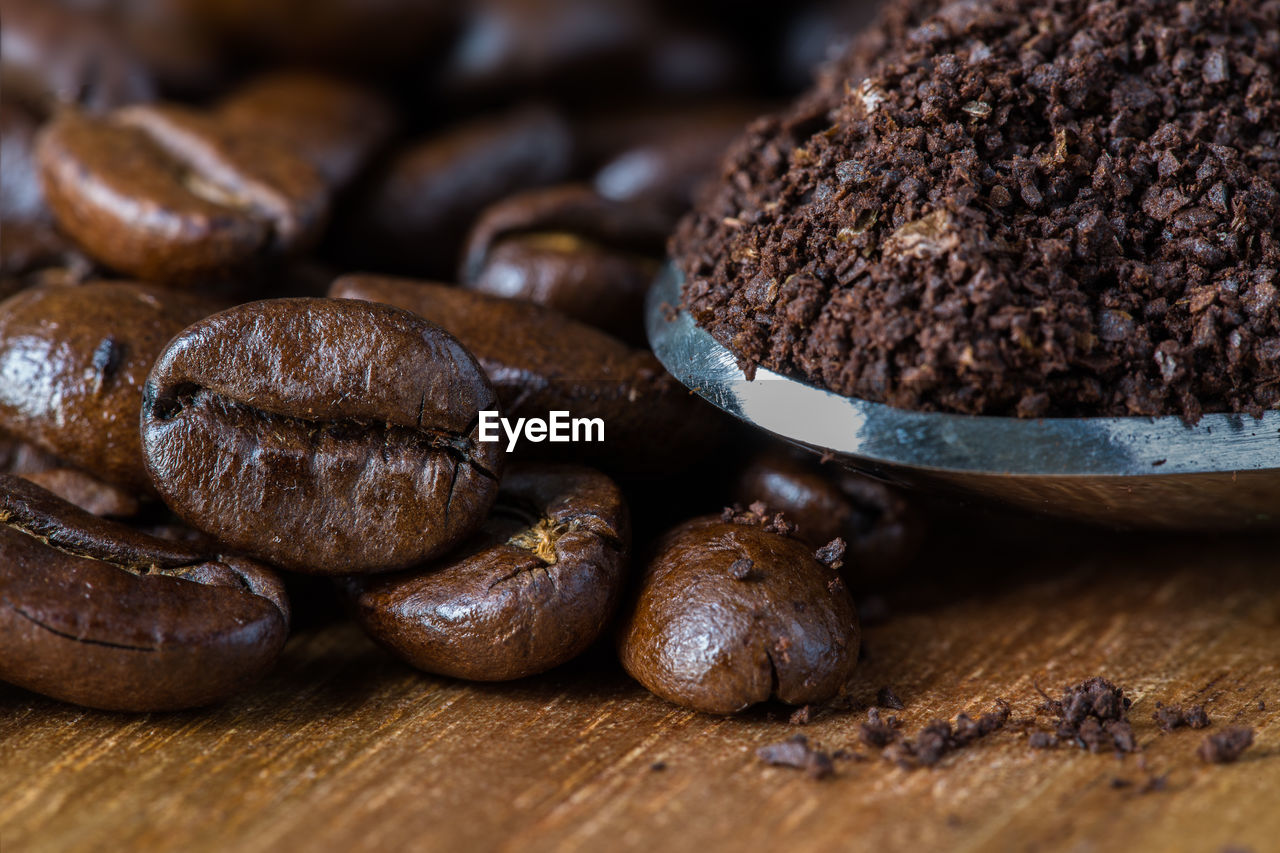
53 55
579 49
72 364
533 589
541 361
733 611
568 248
170 194
417 210
662 157
333 125
72 485
21 199
882 530
101 615
328 436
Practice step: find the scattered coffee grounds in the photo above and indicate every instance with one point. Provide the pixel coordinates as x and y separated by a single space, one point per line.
886 698
1225 746
758 515
1061 208
877 732
939 738
1094 715
740 570
1170 717
796 752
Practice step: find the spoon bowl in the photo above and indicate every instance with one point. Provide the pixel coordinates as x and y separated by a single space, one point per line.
1222 473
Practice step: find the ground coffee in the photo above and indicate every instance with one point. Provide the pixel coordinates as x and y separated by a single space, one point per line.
1051 208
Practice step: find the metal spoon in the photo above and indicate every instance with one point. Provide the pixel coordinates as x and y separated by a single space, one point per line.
1223 473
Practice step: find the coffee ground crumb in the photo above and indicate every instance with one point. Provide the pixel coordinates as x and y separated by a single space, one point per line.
1226 746
1094 714
802 716
877 732
796 752
886 698
758 515
939 738
1170 717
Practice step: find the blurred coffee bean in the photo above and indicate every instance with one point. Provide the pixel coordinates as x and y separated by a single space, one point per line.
733 611
172 194
661 157
878 524
87 493
540 361
104 616
334 125
417 210
817 34
361 36
72 485
531 590
21 198
570 48
72 364
566 247
52 55
326 436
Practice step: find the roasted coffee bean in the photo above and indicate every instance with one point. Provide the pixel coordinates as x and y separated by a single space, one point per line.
662 157
170 194
328 436
880 527
580 49
52 55
568 248
533 589
21 198
72 364
96 613
333 125
733 611
364 37
72 485
541 361
418 208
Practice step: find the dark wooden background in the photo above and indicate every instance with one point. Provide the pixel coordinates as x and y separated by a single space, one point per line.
344 749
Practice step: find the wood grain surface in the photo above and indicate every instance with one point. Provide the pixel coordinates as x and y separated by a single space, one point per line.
345 749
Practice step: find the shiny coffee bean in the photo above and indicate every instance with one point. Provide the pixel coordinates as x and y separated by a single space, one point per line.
532 589
333 125
882 530
171 194
417 210
576 48
74 486
568 248
541 361
327 436
21 198
52 55
733 611
101 615
73 361
662 158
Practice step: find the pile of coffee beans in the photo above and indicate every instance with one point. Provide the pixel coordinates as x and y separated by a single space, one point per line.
295 288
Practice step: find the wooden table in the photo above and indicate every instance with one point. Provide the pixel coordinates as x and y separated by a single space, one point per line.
346 749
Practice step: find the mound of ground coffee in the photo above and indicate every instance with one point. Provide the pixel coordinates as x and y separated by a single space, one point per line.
1059 207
